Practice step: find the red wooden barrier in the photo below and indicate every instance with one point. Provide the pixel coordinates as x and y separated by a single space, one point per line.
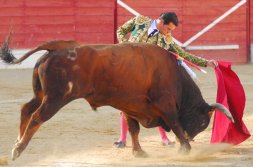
34 22
91 21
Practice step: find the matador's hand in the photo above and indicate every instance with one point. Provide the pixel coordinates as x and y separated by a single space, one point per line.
212 63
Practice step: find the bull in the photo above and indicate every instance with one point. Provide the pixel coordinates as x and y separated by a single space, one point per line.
142 80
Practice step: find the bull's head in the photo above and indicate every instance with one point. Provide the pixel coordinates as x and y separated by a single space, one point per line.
197 121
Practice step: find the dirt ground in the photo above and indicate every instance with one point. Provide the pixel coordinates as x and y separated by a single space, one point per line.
77 136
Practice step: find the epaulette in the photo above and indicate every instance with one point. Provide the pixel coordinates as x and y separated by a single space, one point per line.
142 19
167 38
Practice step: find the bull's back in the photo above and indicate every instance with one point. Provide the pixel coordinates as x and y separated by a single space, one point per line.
123 67
135 65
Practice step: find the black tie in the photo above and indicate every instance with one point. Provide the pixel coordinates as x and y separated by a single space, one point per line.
152 33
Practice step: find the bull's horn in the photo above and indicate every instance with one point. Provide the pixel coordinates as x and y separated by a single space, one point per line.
223 109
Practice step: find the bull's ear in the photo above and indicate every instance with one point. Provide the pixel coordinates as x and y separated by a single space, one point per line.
210 114
211 110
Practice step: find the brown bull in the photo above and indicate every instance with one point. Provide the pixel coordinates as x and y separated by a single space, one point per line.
142 80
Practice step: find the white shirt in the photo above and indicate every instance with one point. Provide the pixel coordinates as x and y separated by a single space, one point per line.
152 28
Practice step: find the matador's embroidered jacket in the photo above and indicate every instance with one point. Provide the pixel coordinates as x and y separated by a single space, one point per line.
139 26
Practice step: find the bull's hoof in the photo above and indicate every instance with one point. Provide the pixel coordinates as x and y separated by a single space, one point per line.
15 153
185 149
140 154
172 143
16 141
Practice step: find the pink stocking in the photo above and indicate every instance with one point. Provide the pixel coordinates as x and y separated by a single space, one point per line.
124 128
163 135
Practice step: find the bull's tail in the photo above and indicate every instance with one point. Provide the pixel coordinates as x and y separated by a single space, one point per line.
223 109
7 56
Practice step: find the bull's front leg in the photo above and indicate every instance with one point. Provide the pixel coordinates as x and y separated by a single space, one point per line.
173 122
134 129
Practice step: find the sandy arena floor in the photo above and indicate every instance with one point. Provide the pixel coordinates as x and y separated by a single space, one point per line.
76 136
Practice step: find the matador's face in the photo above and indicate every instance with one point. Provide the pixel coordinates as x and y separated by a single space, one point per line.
165 28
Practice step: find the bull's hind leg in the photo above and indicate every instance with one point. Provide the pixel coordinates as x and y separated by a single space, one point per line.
26 112
47 109
134 129
29 108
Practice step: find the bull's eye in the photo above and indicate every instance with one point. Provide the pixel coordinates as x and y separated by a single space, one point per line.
203 124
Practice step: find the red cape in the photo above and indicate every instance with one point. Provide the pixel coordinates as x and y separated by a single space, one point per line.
231 94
